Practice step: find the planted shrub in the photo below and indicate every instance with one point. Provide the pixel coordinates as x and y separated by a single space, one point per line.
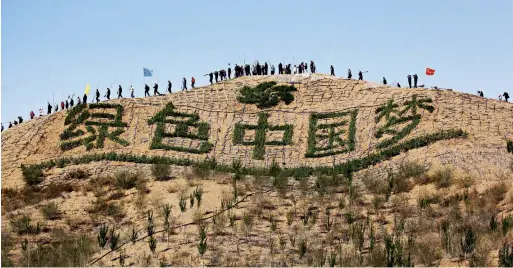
113 239
507 223
102 236
78 174
442 177
183 204
51 211
126 180
506 255
266 94
22 225
152 243
32 175
160 171
198 193
202 245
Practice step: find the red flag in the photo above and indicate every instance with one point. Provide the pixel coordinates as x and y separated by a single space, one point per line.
430 71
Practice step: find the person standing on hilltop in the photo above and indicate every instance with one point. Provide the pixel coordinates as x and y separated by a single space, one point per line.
480 93
272 69
2 126
55 107
409 81
132 91
40 112
398 85
169 85
10 124
97 96
211 78
312 66
85 98
71 101
216 75
193 82
229 72
49 108
384 81
506 96
184 86
280 68
20 119
78 100
360 75
62 105
349 74
156 89
146 90
266 69
332 70
107 95
67 104
32 115
415 79
120 91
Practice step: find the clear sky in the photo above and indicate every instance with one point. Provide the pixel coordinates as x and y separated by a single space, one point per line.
53 48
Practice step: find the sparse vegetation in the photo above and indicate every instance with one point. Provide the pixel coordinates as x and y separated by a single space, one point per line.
160 171
127 180
442 177
32 175
51 211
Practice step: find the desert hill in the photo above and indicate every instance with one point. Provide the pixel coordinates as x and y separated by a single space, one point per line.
363 134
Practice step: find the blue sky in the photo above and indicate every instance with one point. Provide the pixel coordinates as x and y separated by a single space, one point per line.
55 47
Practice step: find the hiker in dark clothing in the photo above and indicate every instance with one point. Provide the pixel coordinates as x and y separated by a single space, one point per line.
97 96
280 68
272 69
85 98
146 90
409 81
156 89
62 105
2 126
107 95
184 86
49 108
398 85
349 74
415 79
229 72
120 90
169 85
216 74
71 102
312 67
258 69
506 96
32 115
67 104
15 123
480 93
131 91
10 125
266 69
78 100
384 81
193 82
211 76
20 119
55 107
332 70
